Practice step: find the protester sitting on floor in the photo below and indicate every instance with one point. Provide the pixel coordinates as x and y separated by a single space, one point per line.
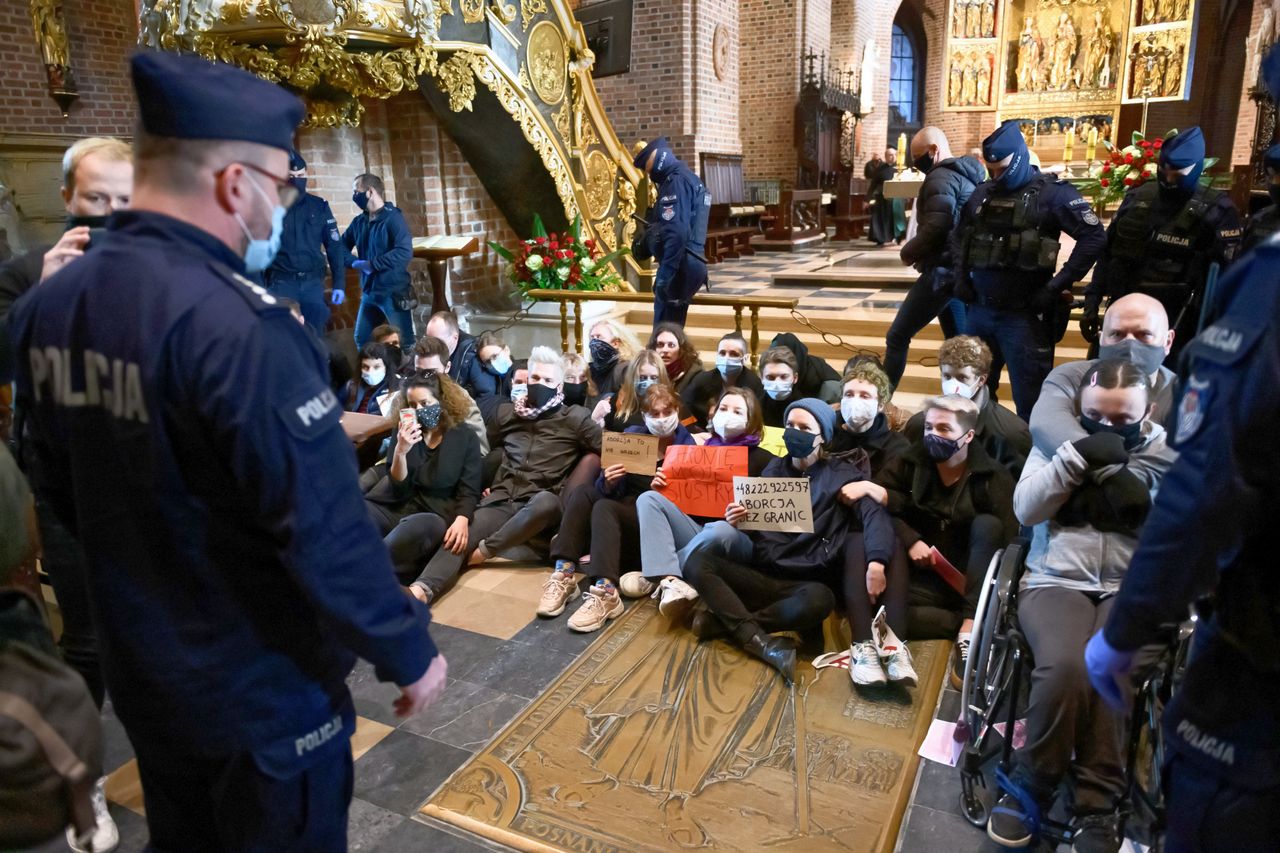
732 371
600 519
386 334
1088 507
679 356
814 377
371 393
432 484
431 355
670 535
896 416
946 493
610 346
624 408
491 372
462 347
779 372
787 586
864 429
542 440
575 379
965 363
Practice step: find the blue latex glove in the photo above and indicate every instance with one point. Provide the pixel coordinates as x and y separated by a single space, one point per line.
338 296
363 266
1109 672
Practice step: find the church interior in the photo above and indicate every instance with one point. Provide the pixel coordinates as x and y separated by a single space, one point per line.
487 120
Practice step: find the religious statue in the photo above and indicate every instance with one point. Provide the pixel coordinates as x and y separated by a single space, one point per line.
969 94
988 28
1173 78
1148 12
955 80
1146 59
1097 53
1164 11
1063 53
869 75
984 80
1028 56
51 35
957 18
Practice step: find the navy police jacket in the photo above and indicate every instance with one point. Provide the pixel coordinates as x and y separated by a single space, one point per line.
309 228
384 241
189 437
678 221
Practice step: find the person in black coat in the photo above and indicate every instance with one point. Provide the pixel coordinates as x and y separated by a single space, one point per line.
864 432
731 371
948 183
885 212
385 245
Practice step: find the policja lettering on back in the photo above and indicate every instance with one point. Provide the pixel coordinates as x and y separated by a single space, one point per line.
51 374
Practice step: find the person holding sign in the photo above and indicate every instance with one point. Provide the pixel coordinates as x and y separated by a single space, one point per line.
600 519
952 505
787 585
671 535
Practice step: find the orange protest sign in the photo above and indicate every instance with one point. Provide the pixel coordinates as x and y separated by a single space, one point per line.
700 479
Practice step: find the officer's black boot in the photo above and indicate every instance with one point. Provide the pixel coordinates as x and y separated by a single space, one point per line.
778 652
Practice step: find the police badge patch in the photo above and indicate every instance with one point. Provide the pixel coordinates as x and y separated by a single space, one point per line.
1191 410
1090 218
668 213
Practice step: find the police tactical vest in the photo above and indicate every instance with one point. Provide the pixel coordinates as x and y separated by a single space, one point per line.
1148 256
1005 234
1262 225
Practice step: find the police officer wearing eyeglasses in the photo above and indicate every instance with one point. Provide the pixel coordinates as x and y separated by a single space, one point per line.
190 440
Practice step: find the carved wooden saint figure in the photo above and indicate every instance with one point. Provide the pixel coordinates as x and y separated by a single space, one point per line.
1028 56
988 19
1063 53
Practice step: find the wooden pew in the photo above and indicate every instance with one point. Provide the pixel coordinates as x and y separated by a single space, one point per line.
852 216
799 217
734 220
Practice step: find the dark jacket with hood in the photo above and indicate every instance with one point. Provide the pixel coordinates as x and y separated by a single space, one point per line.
463 356
946 188
813 370
1001 433
879 443
384 241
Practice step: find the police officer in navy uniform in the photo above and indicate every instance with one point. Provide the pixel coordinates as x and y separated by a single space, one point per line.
1210 529
1266 221
309 237
1006 251
1163 241
189 438
675 232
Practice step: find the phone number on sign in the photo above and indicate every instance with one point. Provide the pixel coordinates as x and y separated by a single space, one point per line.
781 488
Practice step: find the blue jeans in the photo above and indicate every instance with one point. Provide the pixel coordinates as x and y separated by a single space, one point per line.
671 537
1018 339
376 309
307 292
920 306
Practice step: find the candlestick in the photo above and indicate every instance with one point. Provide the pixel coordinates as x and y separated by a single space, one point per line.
1066 147
1091 144
902 151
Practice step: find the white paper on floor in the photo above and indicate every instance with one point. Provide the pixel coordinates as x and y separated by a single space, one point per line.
940 744
1131 846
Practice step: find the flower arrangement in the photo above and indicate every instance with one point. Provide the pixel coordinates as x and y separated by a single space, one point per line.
1128 167
561 261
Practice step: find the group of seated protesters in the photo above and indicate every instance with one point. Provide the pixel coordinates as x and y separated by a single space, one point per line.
503 457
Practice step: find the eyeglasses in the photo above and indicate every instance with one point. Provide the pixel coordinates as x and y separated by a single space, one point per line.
285 191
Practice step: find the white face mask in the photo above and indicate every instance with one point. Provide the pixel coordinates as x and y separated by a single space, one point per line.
859 412
260 253
728 425
955 386
662 427
373 378
518 391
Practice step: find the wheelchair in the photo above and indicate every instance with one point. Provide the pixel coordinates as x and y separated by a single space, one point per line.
995 693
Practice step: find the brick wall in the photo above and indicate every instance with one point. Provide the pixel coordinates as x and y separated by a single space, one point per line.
715 102
1242 144
101 34
769 39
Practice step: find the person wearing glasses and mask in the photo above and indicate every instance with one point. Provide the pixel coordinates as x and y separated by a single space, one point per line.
382 239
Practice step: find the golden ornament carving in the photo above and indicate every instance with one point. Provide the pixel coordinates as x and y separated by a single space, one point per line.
504 12
529 9
523 79
472 11
548 62
598 188
564 123
626 208
608 230
458 82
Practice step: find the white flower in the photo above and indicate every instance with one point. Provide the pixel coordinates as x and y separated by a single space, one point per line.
1149 170
588 265
534 262
562 273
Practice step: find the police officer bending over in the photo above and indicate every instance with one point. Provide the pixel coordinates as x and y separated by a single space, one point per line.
675 231
1006 249
196 452
310 234
1266 221
1163 240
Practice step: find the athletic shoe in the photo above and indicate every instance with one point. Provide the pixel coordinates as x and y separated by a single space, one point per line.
1095 833
600 603
105 836
864 664
1011 824
959 662
557 590
636 585
676 597
898 666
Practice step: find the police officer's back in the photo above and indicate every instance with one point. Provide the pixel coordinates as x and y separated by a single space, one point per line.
1006 249
189 438
675 232
1266 222
1163 240
308 239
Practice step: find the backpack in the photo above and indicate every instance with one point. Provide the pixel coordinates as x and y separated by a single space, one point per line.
50 732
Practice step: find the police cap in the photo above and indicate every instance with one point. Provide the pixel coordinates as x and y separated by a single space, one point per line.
184 96
296 163
1185 148
1004 141
643 157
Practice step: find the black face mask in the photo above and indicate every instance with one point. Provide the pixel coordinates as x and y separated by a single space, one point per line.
575 393
603 353
300 183
360 199
1131 433
923 163
539 395
86 221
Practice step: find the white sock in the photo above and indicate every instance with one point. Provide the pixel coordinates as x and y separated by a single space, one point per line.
964 636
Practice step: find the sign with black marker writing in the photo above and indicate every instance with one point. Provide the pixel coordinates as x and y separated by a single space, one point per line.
637 451
775 503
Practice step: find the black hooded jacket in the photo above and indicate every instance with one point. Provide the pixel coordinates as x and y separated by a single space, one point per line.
813 370
946 188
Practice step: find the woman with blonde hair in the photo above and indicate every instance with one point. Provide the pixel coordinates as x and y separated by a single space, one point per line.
611 346
643 372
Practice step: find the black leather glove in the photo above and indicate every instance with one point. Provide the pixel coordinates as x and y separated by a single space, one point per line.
963 289
1102 449
1129 501
1046 298
1091 321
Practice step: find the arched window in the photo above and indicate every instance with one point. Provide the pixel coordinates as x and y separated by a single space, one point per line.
906 77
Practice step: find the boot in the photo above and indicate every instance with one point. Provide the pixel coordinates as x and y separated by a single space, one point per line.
707 626
778 652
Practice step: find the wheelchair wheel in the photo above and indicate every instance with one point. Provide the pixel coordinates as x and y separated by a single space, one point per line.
988 673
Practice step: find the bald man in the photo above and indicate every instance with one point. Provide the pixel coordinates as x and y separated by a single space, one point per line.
948 182
1135 328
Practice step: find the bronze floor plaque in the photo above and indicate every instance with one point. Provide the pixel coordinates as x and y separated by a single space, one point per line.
654 741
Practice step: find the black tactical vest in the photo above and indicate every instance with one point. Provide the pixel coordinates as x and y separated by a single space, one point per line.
1149 256
1005 234
1262 225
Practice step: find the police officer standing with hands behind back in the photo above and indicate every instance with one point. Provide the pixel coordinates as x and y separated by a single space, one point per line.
1163 240
188 436
1006 252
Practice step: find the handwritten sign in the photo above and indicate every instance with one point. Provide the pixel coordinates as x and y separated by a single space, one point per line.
636 451
775 503
700 479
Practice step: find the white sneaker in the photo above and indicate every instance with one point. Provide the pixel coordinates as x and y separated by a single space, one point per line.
105 837
899 667
635 585
864 664
557 590
600 603
675 598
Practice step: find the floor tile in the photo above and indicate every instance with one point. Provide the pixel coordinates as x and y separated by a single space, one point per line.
124 787
367 735
491 613
369 825
555 634
467 716
513 582
413 836
519 668
925 829
372 698
938 787
403 769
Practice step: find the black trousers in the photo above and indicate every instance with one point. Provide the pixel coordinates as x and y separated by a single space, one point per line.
63 559
751 602
606 528
226 803
970 551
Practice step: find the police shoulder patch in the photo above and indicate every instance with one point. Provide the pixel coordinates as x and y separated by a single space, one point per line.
1192 408
309 414
1090 218
668 213
1226 341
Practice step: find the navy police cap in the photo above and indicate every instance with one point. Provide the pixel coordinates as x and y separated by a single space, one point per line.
643 157
184 96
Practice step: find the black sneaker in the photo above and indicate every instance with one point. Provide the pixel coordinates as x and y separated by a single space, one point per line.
1010 824
959 663
1095 833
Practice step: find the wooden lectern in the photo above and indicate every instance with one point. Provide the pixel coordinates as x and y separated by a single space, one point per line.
437 251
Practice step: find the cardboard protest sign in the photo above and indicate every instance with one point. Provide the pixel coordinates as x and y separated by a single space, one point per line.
637 451
700 479
773 442
775 503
